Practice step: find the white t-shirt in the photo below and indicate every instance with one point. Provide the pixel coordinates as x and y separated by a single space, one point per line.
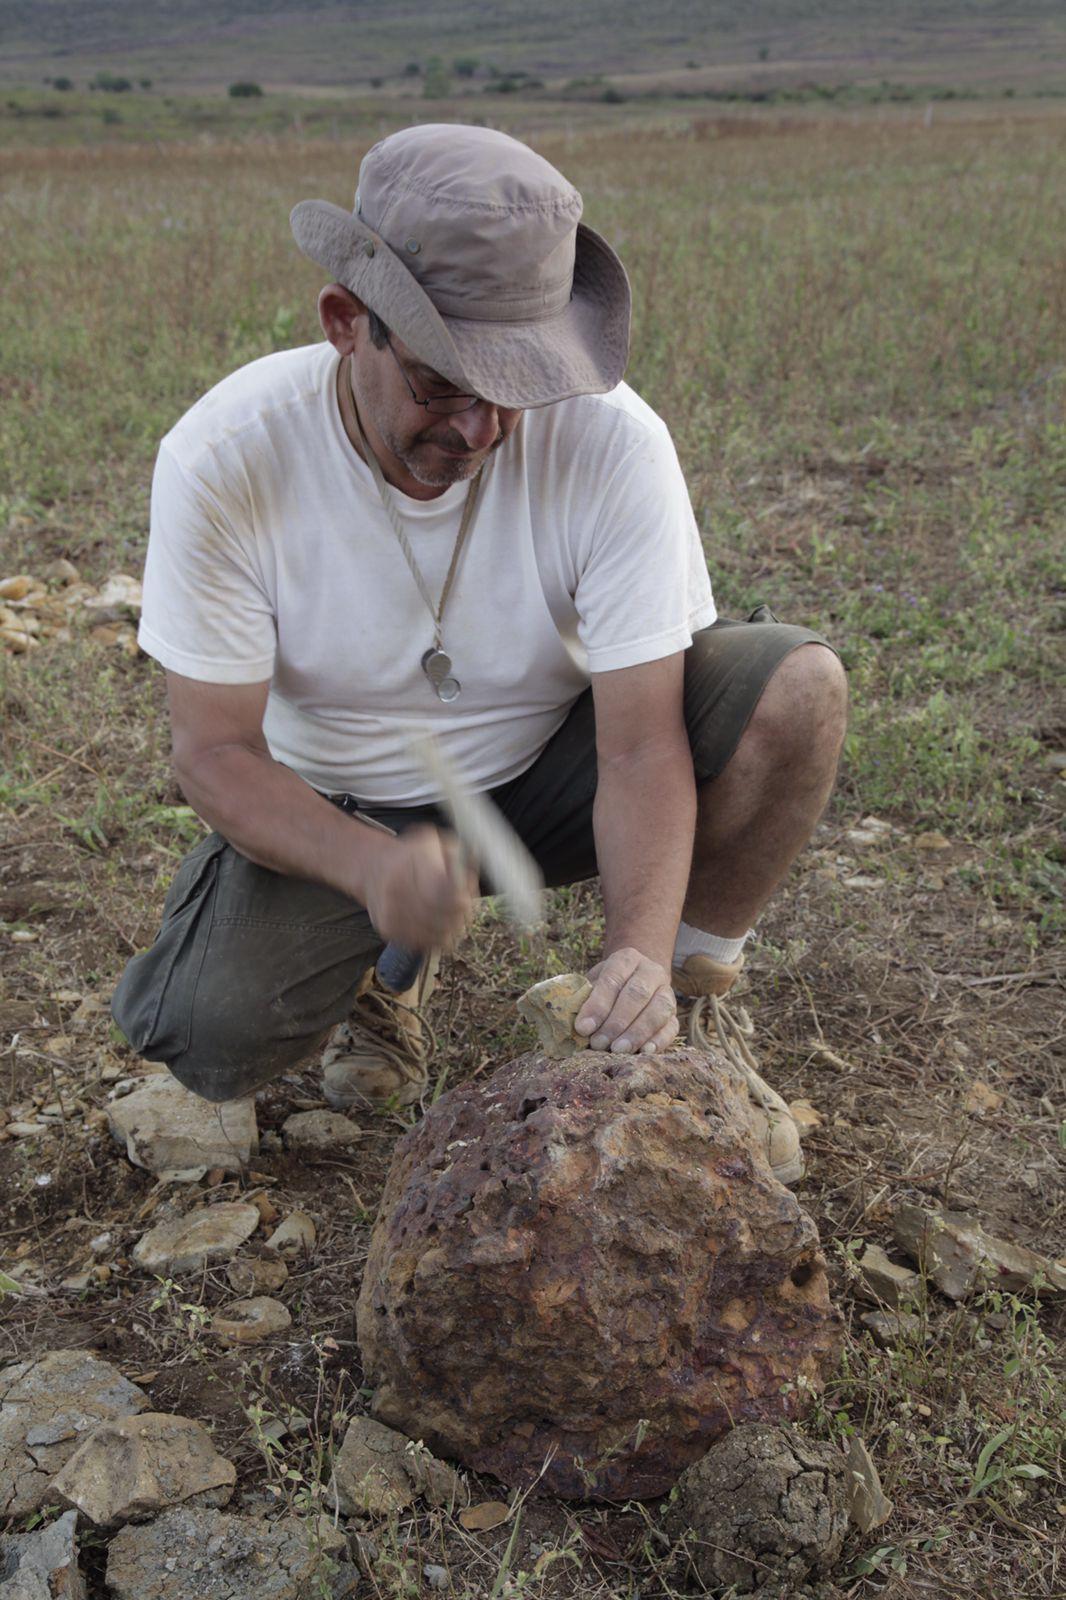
272 557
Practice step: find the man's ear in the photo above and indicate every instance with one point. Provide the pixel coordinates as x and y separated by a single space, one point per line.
339 311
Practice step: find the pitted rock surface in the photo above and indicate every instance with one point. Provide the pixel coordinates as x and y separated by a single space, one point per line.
768 1508
591 1260
47 1407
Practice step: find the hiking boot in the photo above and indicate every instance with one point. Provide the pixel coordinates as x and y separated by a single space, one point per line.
381 1054
708 1024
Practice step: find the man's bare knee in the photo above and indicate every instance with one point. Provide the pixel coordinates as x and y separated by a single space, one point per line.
802 713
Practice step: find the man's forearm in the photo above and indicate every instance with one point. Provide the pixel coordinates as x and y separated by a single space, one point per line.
644 821
276 820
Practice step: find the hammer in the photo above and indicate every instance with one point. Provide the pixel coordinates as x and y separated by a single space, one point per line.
488 842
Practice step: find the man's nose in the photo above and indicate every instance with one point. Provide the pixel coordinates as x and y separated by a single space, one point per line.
479 426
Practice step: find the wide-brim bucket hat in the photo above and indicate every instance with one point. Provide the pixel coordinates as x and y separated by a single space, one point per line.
469 246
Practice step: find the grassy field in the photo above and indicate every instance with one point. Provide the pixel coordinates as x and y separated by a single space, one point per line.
314 42
855 327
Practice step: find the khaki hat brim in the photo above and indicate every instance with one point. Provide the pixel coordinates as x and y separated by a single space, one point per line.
583 350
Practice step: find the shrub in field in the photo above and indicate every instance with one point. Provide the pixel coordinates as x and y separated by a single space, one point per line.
437 82
110 83
244 90
62 83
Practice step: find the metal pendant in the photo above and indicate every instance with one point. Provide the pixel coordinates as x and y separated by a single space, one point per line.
437 666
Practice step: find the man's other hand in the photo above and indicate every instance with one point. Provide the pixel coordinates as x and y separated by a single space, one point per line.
419 892
631 1009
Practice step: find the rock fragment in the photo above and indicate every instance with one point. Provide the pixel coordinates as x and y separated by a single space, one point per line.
552 1007
766 1505
47 1407
867 1506
128 1470
891 1328
294 1236
378 1471
884 1281
186 1244
257 1274
249 1321
320 1131
214 1555
661 1285
960 1257
42 1564
177 1134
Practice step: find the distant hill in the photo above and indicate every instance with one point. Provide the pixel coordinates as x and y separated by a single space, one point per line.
309 43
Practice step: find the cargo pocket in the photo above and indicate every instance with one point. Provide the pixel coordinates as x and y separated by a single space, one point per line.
152 1004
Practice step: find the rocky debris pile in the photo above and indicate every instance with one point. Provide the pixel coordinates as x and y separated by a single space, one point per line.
74 1436
659 1284
48 1406
178 1135
42 1564
377 1472
766 1507
52 606
211 1555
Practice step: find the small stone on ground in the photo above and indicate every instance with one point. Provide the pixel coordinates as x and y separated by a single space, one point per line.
174 1133
248 1321
378 1471
129 1470
883 1280
42 1564
185 1244
320 1130
257 1274
211 1555
960 1257
293 1237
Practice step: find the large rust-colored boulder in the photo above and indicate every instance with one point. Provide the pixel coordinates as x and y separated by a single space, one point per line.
588 1263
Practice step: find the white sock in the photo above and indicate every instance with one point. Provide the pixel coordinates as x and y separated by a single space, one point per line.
694 942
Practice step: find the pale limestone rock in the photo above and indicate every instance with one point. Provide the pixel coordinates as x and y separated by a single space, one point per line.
320 1130
42 1564
552 1006
884 1280
128 1470
891 1328
961 1258
209 1234
294 1236
867 1505
174 1133
378 1471
249 1321
47 1407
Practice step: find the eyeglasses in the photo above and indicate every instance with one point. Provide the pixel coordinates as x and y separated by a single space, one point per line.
442 405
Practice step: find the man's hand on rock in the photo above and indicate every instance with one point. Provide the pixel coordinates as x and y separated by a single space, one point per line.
420 892
631 1009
